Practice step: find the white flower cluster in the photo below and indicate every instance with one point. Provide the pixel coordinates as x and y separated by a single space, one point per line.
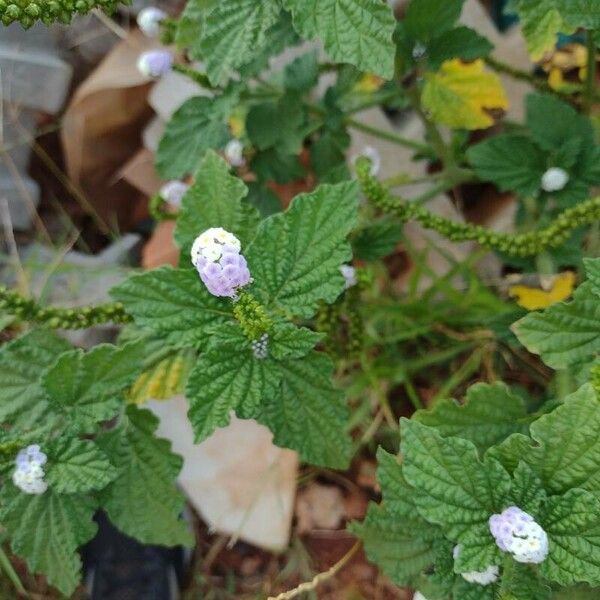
216 256
349 274
29 474
554 179
173 192
490 575
149 19
234 153
516 532
260 347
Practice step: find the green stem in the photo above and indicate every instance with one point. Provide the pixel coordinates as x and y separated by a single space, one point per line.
390 136
590 80
7 567
25 309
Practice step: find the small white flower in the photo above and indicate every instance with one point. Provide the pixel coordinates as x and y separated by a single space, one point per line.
173 192
28 475
418 51
234 153
155 63
149 19
489 575
373 155
349 274
554 179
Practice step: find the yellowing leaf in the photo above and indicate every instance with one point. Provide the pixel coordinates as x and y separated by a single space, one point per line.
368 83
537 299
459 94
163 380
237 125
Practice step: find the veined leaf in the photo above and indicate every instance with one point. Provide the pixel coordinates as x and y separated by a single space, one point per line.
143 501
355 31
580 13
47 530
173 303
296 255
307 413
88 388
461 42
459 94
22 362
216 199
426 19
592 269
489 415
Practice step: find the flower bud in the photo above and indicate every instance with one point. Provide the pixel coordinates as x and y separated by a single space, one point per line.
554 179
155 63
173 192
234 153
349 274
149 19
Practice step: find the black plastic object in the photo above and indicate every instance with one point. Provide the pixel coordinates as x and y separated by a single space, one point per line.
118 567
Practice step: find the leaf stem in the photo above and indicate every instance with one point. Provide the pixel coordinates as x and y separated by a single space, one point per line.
383 134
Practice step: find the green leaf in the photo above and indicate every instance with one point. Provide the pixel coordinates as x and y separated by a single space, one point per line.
460 42
227 378
572 522
199 124
143 501
173 303
22 361
426 19
564 334
88 388
523 582
455 490
564 449
395 538
358 32
47 530
513 162
580 13
527 490
296 256
263 199
307 413
215 199
489 415
592 269
76 466
289 341
233 30
376 239
277 166
302 74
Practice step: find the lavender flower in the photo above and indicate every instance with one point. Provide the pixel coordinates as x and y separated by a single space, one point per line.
234 153
29 474
486 577
554 179
516 532
149 19
216 256
155 63
173 192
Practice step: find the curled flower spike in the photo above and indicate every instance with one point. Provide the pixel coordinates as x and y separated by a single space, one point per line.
234 153
349 274
29 474
373 155
516 532
260 347
554 179
490 575
149 19
216 256
155 63
173 192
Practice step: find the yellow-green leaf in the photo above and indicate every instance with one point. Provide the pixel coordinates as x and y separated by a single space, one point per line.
460 94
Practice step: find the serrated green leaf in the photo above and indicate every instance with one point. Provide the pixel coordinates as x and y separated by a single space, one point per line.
358 32
592 270
428 18
307 413
572 522
524 582
189 26
77 466
88 388
461 42
580 13
464 590
455 490
199 124
527 490
143 501
564 449
377 239
47 530
227 378
395 538
564 334
173 303
215 199
274 165
289 341
22 362
491 412
232 30
296 256
302 74
513 162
